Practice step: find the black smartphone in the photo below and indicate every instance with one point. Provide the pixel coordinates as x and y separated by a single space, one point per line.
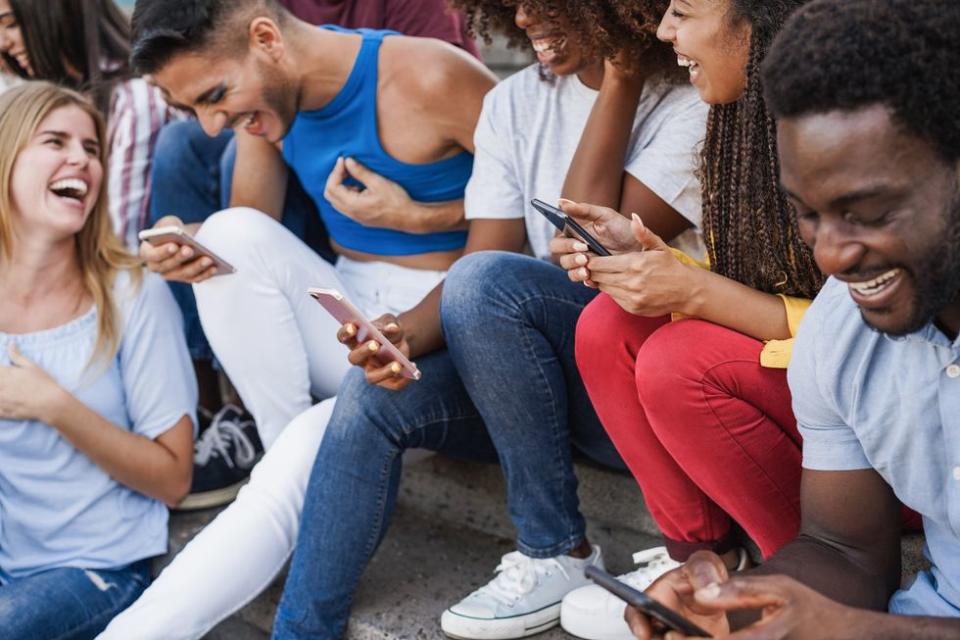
562 221
641 601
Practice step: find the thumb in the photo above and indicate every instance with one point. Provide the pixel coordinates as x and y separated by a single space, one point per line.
647 238
17 358
361 173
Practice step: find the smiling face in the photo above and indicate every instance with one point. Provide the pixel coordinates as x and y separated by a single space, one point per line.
881 210
225 90
56 178
552 41
11 38
712 43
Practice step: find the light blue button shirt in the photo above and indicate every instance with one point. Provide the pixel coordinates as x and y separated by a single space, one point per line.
57 507
865 400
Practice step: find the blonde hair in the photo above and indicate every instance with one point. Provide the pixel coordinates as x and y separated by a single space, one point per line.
100 253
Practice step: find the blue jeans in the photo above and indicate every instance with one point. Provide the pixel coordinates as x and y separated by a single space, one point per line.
191 178
69 604
506 389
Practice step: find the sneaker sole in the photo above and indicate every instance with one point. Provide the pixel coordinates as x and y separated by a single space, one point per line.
464 628
210 499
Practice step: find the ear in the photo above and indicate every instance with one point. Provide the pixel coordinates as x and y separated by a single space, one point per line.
266 38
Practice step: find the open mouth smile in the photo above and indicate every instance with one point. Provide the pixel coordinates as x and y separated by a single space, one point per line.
73 189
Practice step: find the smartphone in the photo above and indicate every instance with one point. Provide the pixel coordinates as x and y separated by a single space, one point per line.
343 311
641 601
562 222
176 235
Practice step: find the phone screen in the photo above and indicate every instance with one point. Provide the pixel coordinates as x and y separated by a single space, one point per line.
563 222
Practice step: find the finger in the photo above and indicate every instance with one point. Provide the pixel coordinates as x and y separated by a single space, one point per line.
385 373
393 332
16 358
364 175
155 253
337 175
638 623
618 264
742 592
176 258
206 275
647 238
190 271
585 212
347 334
574 261
363 352
168 221
706 568
561 245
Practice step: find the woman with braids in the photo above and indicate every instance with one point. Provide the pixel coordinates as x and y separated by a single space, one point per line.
84 45
686 366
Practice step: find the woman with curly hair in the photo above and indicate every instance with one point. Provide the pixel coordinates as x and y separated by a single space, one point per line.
699 407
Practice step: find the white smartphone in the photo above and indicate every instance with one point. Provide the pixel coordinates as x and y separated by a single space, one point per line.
176 235
343 311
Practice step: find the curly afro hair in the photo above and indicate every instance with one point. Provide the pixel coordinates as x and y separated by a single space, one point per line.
851 54
604 28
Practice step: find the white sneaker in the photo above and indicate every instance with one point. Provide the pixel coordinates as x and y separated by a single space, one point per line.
522 600
593 613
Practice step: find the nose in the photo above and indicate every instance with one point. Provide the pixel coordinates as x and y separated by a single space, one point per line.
522 18
77 155
835 251
667 31
5 42
212 122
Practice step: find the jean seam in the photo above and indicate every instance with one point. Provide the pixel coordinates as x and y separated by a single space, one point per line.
557 451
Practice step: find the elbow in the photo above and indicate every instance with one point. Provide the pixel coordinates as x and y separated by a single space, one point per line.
177 489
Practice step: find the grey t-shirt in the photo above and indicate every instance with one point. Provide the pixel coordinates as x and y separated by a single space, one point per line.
529 131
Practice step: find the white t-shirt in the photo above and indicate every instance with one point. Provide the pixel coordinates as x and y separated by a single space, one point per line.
529 131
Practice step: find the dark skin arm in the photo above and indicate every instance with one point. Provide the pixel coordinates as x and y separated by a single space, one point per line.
596 173
418 331
833 581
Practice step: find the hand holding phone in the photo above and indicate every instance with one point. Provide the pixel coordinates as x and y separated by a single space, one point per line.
194 264
566 224
645 604
337 305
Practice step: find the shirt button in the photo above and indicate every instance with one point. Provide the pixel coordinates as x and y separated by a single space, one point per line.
956 473
953 371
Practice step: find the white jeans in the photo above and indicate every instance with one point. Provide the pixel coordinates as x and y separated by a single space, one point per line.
278 346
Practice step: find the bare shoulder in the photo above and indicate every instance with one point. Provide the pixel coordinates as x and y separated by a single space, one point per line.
435 69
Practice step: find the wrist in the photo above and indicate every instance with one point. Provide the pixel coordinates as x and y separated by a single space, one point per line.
695 301
55 405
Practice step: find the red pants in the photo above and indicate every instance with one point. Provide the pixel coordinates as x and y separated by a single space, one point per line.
707 432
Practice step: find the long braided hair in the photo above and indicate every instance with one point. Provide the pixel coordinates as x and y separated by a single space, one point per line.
750 227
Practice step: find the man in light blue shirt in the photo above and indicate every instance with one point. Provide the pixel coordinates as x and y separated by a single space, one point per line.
865 93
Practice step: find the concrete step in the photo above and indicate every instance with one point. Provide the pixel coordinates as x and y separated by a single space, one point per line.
449 532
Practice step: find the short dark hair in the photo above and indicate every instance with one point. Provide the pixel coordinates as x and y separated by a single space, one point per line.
164 29
845 55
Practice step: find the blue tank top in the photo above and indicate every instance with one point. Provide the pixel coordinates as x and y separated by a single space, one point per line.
347 127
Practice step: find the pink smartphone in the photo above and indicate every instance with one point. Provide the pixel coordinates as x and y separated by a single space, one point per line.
176 235
343 310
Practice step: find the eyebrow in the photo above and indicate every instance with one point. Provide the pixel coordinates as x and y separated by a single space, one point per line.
212 95
849 198
6 14
64 134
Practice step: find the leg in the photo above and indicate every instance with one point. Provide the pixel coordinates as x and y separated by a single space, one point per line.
275 342
259 530
68 604
608 341
512 316
728 423
354 484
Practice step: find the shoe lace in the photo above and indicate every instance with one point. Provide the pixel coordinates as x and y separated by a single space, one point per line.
653 562
222 435
518 575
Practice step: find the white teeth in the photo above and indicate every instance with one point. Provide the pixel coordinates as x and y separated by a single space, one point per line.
878 284
73 184
683 61
544 45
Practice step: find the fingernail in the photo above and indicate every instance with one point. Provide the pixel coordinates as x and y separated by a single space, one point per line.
172 250
393 326
583 273
637 219
373 347
579 246
395 367
350 329
582 260
187 252
206 262
709 592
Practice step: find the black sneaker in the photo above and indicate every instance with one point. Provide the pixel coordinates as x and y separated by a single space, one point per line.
222 459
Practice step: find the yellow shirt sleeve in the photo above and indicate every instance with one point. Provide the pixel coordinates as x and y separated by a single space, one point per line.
776 353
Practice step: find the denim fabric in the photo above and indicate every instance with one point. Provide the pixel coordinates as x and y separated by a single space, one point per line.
509 322
192 178
69 604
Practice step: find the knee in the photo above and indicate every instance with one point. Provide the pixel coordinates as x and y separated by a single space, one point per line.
667 364
601 327
364 416
473 282
232 233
